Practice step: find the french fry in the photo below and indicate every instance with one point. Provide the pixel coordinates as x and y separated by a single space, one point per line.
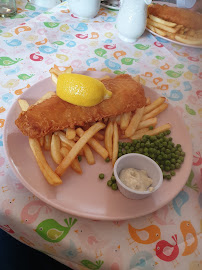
155 112
51 177
76 138
163 27
142 130
108 138
64 139
170 35
125 120
44 97
118 119
63 144
104 78
147 123
134 123
148 101
41 141
159 20
115 143
55 71
70 133
188 40
154 105
94 144
77 147
137 78
54 78
55 149
88 154
75 165
47 142
23 104
152 132
98 136
156 30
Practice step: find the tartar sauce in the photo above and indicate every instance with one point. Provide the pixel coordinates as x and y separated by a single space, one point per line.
136 179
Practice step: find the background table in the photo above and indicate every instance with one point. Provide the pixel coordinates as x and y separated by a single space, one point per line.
30 44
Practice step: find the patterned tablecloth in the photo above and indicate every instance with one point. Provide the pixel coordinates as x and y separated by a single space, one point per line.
30 44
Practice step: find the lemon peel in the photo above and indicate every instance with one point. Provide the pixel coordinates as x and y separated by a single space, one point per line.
81 90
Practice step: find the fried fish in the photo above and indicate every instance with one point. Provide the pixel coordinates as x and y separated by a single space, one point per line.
56 114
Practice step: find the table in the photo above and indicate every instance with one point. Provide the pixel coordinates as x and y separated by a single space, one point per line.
30 44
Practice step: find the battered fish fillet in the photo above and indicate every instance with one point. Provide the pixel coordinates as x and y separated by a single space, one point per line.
56 114
180 16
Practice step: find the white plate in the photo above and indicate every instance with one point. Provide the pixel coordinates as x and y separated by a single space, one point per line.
168 39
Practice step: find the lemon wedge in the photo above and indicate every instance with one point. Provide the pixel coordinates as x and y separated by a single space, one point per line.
81 90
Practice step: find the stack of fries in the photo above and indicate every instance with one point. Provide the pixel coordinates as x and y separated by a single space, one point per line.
173 31
67 145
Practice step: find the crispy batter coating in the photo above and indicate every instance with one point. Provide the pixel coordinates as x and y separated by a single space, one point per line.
56 114
180 16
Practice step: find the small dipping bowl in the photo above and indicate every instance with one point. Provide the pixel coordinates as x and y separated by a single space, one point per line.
139 162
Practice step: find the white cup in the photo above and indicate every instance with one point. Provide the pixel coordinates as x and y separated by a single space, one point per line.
84 8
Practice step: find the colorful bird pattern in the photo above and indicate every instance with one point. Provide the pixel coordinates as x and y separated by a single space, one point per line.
163 247
173 70
142 260
189 233
152 232
52 231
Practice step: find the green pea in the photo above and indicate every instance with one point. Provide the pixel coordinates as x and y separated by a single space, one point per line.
127 147
168 176
172 166
165 144
172 173
167 168
79 158
114 186
151 127
113 179
162 167
138 145
101 176
109 183
107 159
167 162
177 165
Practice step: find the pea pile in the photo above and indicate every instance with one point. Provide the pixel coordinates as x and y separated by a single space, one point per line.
160 148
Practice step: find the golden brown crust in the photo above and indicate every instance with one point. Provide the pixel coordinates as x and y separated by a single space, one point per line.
180 16
55 114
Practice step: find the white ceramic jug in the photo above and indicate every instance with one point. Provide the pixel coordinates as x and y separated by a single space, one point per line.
84 8
131 19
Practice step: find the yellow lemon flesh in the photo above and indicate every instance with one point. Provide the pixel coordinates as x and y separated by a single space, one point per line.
81 90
